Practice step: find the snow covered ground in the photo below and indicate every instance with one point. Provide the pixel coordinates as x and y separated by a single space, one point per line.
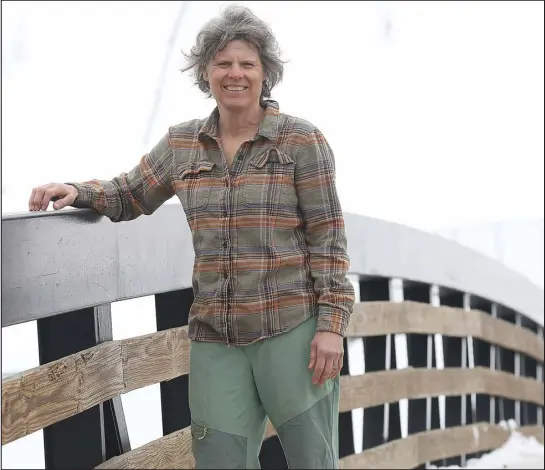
518 452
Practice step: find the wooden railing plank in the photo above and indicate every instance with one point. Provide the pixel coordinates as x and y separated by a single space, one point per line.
170 451
58 390
437 444
382 318
55 391
378 388
155 358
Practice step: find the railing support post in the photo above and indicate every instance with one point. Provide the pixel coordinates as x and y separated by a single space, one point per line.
453 352
423 413
172 311
99 433
506 360
375 352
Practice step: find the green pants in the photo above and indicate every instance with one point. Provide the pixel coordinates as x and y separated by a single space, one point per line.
232 390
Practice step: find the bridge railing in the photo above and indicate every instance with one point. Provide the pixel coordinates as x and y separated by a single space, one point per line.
442 346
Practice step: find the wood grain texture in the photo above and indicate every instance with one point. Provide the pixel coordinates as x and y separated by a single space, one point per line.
155 358
60 389
55 391
174 450
171 451
381 318
378 388
420 448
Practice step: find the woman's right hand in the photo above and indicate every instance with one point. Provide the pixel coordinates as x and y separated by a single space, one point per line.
63 194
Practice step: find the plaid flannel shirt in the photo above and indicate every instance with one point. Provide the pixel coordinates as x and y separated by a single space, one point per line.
268 234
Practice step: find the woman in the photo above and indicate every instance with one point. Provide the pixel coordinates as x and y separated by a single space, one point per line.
272 300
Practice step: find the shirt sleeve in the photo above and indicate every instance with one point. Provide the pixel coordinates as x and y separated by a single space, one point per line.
325 232
128 196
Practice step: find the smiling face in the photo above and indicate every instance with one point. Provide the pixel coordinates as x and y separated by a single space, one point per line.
235 76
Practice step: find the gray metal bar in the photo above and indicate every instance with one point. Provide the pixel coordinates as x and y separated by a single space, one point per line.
57 262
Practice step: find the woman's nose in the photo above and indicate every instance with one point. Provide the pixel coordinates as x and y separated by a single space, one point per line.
235 71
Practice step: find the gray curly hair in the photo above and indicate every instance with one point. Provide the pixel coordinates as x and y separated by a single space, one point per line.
235 22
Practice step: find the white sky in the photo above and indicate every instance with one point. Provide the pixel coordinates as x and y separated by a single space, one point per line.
439 123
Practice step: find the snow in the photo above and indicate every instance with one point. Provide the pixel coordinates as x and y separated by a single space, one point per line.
518 451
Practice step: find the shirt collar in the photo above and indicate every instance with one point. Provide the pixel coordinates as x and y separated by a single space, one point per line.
268 127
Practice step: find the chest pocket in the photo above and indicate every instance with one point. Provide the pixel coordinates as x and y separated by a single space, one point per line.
269 181
194 181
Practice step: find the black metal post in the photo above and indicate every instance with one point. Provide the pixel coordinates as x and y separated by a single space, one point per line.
483 352
346 428
346 433
452 353
88 438
505 407
423 412
172 311
529 368
375 349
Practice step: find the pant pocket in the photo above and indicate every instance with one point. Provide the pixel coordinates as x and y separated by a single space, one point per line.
216 449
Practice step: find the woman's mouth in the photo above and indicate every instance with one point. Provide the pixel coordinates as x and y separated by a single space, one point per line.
235 88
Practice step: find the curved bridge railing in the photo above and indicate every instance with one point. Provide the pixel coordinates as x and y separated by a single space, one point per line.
444 343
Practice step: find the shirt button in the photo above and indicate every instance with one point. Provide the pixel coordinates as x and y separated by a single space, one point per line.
224 213
225 275
224 244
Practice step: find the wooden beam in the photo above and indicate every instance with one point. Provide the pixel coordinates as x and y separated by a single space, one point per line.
63 388
382 318
377 388
170 451
437 444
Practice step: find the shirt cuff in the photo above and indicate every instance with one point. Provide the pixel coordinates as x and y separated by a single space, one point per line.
331 319
85 196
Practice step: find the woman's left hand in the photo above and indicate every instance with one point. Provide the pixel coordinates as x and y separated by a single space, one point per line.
326 356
